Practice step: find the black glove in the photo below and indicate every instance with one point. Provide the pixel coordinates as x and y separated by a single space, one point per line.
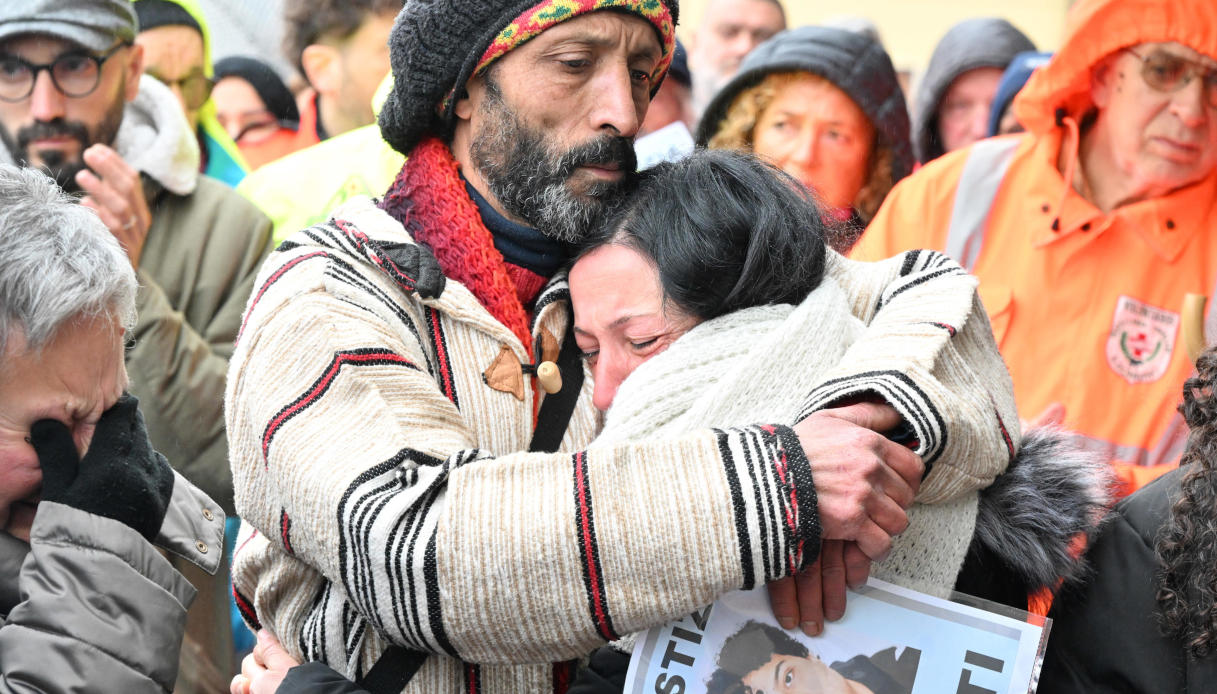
121 476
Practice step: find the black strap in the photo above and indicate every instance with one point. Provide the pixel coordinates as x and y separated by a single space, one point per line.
397 665
393 670
556 409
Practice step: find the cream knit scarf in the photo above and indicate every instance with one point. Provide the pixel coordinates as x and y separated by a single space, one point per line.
758 365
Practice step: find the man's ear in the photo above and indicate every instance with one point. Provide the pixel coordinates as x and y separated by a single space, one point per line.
134 68
1104 78
475 90
321 65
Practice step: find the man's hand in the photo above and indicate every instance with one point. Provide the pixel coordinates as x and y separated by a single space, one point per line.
818 591
263 670
863 481
116 193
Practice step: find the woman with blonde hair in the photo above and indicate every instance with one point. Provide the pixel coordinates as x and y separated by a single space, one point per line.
825 106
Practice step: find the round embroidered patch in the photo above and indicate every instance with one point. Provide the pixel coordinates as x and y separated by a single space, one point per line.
1141 341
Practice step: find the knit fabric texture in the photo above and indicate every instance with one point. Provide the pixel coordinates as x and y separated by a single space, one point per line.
429 200
551 12
737 368
395 499
436 46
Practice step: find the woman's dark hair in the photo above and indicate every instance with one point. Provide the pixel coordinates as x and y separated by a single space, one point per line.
746 651
1187 545
725 231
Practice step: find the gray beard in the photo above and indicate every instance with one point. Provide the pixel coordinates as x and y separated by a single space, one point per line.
532 182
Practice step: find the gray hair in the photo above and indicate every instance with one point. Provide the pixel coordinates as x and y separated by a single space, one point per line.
59 261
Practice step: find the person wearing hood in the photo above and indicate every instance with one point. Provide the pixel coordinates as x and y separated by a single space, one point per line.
257 109
177 51
1100 218
1001 120
74 102
951 109
825 106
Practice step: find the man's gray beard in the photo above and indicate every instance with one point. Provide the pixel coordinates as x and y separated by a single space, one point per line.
551 207
531 182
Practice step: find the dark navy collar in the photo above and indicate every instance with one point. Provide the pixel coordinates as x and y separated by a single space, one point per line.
519 244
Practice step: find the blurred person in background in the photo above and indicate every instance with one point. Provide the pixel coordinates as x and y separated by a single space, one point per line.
674 100
1001 119
88 603
302 188
177 52
256 108
955 94
728 31
825 106
1089 231
341 47
74 103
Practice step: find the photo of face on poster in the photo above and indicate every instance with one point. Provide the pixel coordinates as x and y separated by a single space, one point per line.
891 641
761 658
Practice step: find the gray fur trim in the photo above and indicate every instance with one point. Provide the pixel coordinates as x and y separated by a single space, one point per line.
1053 491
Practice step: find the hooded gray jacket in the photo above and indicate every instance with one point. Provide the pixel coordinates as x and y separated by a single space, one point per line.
969 45
89 605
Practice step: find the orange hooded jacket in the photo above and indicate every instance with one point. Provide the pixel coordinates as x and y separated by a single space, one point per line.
1085 305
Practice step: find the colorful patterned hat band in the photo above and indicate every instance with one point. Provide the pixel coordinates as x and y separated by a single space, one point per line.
548 13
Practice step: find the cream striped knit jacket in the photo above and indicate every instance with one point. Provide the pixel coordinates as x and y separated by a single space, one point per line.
392 500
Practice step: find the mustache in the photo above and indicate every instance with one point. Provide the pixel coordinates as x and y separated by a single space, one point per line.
49 129
601 151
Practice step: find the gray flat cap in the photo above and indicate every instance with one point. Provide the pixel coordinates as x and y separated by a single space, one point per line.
92 24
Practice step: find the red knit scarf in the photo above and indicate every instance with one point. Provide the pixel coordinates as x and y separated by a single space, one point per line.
429 199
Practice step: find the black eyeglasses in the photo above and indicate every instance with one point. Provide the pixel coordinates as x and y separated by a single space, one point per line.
1168 73
195 88
74 74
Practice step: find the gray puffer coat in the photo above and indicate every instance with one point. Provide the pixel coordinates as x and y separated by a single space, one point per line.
89 605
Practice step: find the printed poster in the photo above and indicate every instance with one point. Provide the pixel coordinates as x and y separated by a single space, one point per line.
891 641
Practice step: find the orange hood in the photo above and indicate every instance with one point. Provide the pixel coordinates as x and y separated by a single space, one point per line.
1098 28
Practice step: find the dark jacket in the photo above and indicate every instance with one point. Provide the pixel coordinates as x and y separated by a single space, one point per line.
970 44
1105 635
854 63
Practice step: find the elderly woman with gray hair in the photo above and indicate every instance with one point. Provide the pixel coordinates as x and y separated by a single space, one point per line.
88 602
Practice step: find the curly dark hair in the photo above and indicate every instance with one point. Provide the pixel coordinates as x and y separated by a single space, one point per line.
1187 545
306 22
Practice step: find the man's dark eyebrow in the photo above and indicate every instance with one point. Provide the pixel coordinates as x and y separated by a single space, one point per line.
777 674
601 41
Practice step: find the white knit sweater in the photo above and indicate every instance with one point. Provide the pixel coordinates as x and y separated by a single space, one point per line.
774 363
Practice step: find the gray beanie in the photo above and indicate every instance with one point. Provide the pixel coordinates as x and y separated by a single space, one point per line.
854 63
437 45
970 44
96 25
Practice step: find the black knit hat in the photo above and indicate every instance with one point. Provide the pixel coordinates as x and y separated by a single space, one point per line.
160 13
434 48
266 82
854 63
